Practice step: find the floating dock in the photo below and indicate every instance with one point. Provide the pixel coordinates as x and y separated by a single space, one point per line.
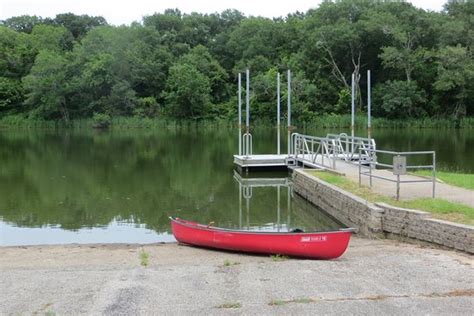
303 150
273 162
332 152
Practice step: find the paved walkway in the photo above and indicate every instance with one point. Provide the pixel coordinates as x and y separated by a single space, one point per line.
408 191
382 277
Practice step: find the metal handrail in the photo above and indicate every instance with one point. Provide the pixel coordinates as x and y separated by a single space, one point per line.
352 146
247 144
312 147
331 148
374 164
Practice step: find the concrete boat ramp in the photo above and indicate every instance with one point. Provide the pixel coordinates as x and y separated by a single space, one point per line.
382 277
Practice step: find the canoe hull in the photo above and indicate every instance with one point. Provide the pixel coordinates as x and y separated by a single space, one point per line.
324 245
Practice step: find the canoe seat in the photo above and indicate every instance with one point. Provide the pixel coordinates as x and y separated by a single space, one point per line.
297 230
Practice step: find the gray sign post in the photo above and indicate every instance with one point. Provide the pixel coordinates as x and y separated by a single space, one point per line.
399 168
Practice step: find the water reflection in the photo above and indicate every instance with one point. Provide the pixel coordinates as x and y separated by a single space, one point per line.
308 217
76 185
89 182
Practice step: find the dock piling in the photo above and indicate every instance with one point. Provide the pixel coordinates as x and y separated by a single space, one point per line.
353 108
369 125
240 113
278 113
247 101
247 139
289 112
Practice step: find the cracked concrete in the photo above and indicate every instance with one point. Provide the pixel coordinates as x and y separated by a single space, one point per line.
373 276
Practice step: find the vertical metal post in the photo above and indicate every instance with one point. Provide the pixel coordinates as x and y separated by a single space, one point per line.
369 105
370 171
247 101
289 112
278 113
247 204
288 206
240 205
278 208
434 174
247 136
240 113
360 169
398 187
352 111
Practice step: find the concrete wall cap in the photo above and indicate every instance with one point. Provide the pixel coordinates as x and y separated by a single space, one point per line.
458 225
391 207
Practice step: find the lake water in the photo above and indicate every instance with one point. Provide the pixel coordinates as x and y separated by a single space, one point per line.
71 186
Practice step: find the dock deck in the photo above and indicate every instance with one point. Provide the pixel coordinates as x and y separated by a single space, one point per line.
262 161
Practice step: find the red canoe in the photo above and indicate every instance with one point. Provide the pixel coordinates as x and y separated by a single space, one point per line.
322 245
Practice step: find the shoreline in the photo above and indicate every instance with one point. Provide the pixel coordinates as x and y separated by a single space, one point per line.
325 121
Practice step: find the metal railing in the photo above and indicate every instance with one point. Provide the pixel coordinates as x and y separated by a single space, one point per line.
247 144
353 149
308 149
399 167
324 151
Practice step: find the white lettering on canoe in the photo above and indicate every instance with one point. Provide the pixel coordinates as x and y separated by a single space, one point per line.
314 238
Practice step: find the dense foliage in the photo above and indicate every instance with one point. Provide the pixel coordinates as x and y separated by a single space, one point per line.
186 65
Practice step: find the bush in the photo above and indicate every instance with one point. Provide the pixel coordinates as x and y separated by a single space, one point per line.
101 120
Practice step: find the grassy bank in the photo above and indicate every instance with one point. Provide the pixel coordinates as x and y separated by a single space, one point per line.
463 180
439 208
344 121
322 121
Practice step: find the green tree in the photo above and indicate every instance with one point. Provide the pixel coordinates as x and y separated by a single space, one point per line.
187 92
121 100
53 38
23 23
336 43
16 53
78 25
11 93
455 80
201 59
47 86
421 61
399 99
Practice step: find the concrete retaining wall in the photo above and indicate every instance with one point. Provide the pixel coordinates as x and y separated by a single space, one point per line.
348 208
419 225
374 219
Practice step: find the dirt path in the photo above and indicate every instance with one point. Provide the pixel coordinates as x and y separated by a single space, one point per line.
373 276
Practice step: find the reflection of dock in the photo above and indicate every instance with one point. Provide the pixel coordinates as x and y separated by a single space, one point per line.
284 211
246 186
261 182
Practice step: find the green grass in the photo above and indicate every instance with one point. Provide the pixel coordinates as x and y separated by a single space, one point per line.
144 258
322 121
20 121
439 208
278 257
303 300
230 305
229 263
463 180
344 121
